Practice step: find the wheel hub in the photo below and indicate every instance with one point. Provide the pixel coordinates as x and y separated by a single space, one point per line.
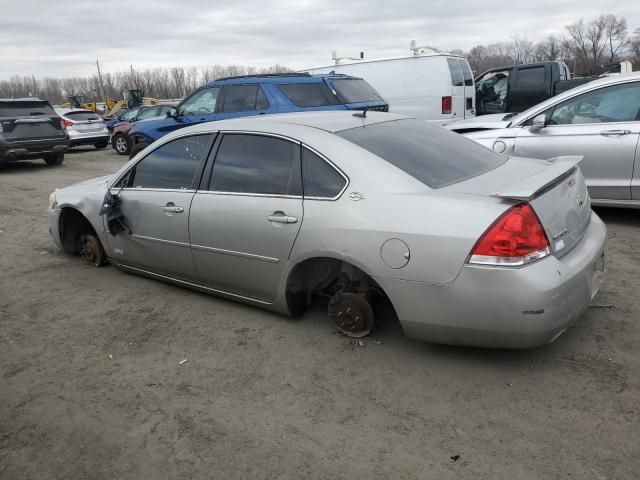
121 145
90 250
352 314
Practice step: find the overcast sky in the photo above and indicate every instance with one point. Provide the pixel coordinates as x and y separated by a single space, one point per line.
63 38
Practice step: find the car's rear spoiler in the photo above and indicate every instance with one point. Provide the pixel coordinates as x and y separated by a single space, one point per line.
531 187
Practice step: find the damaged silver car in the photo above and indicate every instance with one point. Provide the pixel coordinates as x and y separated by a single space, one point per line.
469 246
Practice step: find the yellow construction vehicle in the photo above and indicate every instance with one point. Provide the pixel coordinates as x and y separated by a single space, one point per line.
130 98
77 101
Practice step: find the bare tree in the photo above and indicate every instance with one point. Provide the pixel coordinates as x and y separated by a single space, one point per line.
616 35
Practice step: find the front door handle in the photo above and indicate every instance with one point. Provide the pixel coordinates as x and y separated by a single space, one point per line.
280 217
172 208
611 133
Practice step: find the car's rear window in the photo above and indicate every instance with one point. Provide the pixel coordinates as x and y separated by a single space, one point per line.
25 108
430 154
82 116
309 94
355 91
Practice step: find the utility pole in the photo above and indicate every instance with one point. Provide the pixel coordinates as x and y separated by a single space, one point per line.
100 80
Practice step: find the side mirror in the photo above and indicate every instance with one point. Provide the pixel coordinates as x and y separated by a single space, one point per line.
172 112
538 123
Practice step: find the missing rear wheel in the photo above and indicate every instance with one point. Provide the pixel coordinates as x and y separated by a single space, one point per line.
352 314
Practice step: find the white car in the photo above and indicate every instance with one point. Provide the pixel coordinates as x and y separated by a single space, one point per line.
84 127
599 121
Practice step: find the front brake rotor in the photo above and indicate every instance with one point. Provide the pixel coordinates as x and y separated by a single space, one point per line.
91 251
352 314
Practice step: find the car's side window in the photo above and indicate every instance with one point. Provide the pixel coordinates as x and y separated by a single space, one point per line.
148 113
617 103
244 98
307 95
257 164
172 166
319 179
202 102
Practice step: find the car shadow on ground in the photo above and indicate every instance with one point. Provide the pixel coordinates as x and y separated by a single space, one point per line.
621 216
25 166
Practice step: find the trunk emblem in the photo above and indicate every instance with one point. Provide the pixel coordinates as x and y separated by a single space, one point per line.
579 200
561 233
572 182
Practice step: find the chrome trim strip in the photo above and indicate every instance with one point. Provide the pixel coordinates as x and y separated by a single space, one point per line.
243 194
194 285
235 253
160 240
264 134
135 189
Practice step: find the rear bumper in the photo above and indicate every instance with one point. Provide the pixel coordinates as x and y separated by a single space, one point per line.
89 139
503 307
35 149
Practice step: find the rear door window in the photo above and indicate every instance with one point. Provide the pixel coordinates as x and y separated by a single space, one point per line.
530 78
309 94
319 179
243 98
457 79
26 108
172 166
82 116
257 164
432 155
467 74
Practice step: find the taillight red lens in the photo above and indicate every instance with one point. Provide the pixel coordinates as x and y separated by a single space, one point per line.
515 239
446 105
64 123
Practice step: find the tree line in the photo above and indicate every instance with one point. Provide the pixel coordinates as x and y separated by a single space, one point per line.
585 46
157 82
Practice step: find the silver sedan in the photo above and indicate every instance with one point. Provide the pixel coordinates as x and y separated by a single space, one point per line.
470 247
599 121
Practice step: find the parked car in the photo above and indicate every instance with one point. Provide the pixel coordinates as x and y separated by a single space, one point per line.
436 87
470 247
84 127
515 88
242 96
599 121
126 116
120 140
30 128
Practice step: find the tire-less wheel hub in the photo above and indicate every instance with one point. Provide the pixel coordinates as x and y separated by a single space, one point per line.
352 314
90 250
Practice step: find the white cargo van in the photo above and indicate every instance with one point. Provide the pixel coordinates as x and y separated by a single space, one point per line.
437 87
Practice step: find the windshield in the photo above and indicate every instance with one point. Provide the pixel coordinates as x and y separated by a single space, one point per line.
355 91
430 154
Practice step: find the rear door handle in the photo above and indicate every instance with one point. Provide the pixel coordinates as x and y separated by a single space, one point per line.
611 133
279 217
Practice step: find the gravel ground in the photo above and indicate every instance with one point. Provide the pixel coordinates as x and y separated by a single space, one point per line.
92 385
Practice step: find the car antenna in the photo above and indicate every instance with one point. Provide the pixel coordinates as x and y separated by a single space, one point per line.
362 114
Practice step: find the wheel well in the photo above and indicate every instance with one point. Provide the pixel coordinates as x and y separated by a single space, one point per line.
72 226
325 276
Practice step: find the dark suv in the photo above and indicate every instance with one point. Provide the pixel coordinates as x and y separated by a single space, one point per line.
30 128
242 96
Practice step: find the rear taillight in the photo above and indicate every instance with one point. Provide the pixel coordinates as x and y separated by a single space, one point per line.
446 105
515 239
64 123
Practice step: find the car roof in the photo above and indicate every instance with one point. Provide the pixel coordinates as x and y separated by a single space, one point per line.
64 111
277 78
585 87
327 121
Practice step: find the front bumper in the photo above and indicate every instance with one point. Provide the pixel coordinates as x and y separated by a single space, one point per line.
503 307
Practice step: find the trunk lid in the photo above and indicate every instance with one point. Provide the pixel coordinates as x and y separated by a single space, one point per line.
28 120
555 189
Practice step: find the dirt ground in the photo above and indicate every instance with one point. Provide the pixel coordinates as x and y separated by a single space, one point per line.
92 385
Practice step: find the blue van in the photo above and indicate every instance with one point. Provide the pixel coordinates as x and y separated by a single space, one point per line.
243 96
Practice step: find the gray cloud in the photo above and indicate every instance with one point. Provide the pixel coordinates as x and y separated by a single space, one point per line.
64 37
